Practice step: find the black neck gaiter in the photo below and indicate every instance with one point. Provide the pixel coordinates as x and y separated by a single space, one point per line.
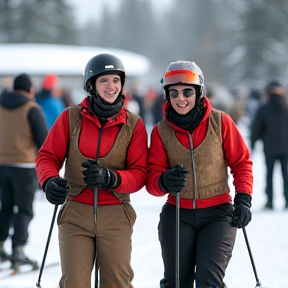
188 121
103 109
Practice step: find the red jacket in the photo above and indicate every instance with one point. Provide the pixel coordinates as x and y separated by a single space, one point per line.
235 150
52 154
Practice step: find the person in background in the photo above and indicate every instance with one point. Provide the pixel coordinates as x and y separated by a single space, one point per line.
271 126
105 148
6 84
254 101
237 108
49 100
137 100
150 97
157 108
190 151
22 132
215 102
66 97
130 103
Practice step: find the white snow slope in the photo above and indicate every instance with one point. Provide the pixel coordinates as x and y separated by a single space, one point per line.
267 235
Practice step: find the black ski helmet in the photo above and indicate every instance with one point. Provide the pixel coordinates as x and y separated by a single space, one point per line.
102 64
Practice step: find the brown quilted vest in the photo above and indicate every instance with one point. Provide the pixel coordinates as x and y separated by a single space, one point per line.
16 139
206 165
114 160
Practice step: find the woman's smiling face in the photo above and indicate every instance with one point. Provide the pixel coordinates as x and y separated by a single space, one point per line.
108 87
182 104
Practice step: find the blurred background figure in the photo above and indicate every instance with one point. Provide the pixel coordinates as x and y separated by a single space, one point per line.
22 132
150 97
131 102
134 98
254 101
216 102
66 97
271 126
236 110
49 99
7 84
157 107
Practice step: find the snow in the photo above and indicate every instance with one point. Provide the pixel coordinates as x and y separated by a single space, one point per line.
267 234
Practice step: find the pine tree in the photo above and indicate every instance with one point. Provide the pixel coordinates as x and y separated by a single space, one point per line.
260 45
32 21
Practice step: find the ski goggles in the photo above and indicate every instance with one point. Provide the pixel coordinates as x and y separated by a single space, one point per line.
181 76
187 92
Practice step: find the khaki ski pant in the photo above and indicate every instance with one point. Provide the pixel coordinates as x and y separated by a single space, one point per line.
112 245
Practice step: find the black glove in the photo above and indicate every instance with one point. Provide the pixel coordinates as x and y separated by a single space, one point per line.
96 175
242 214
174 179
56 190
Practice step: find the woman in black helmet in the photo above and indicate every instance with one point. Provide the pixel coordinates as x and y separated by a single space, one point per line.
189 153
105 150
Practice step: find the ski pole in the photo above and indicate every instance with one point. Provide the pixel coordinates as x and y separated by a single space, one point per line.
95 230
177 240
95 190
47 245
181 168
258 283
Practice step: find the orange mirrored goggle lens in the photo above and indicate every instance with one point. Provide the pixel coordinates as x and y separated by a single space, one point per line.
181 76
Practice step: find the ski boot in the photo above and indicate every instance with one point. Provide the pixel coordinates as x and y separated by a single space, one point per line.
18 258
268 205
4 256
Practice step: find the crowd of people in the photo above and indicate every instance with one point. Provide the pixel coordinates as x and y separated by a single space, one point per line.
194 144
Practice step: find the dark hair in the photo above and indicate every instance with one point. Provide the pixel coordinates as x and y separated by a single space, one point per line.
22 82
272 85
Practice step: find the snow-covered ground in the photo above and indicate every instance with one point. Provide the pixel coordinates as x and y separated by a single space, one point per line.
267 235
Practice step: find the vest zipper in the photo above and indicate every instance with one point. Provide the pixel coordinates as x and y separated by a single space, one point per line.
99 142
192 153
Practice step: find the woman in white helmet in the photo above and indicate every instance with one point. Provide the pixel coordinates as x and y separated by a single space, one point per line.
190 151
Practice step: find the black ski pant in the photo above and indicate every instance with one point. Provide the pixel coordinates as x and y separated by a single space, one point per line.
18 187
270 160
206 243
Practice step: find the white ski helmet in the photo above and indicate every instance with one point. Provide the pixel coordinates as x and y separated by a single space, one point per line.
184 72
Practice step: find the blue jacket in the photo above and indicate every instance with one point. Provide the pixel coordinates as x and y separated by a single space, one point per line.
51 106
